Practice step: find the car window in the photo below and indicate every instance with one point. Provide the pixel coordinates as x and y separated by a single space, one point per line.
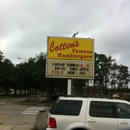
123 110
67 107
101 109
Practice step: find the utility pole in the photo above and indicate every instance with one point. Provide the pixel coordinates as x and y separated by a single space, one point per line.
70 81
22 59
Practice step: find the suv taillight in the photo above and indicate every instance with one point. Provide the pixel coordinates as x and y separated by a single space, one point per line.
52 123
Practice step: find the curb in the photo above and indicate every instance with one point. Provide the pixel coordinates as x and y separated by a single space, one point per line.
41 120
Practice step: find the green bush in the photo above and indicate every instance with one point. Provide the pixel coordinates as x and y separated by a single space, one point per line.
55 96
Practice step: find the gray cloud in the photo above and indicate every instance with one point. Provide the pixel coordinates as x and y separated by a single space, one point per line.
25 25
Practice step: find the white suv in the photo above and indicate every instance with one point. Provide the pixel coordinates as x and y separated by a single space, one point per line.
82 113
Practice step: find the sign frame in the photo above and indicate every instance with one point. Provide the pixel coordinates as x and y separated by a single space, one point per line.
70 60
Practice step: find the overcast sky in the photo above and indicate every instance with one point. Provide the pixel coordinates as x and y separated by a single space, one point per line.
25 25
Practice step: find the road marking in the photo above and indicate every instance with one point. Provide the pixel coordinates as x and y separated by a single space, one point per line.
33 110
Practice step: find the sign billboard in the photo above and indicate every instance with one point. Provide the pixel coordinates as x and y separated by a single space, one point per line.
70 58
70 48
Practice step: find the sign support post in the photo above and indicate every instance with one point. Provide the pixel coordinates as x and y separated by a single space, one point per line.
71 58
69 87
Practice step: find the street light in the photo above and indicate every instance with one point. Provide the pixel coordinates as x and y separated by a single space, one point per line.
22 58
27 99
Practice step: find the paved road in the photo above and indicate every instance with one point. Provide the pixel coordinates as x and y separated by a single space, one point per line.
17 117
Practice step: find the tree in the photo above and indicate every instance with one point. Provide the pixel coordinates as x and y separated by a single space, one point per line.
113 77
79 84
30 75
6 70
1 56
1 71
40 71
106 72
123 78
51 85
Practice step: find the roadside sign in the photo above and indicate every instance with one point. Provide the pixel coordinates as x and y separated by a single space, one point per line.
70 58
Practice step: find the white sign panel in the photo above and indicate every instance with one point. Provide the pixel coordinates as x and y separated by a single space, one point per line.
70 69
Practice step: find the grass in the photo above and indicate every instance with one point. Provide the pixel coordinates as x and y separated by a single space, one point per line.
35 101
48 103
4 97
28 103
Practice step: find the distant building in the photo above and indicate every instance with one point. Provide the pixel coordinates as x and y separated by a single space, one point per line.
91 91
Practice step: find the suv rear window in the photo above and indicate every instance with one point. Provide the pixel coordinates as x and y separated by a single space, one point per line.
66 107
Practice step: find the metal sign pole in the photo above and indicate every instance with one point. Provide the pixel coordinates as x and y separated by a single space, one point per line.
69 87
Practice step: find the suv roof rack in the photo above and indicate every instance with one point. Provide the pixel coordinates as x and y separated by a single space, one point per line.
81 96
88 97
